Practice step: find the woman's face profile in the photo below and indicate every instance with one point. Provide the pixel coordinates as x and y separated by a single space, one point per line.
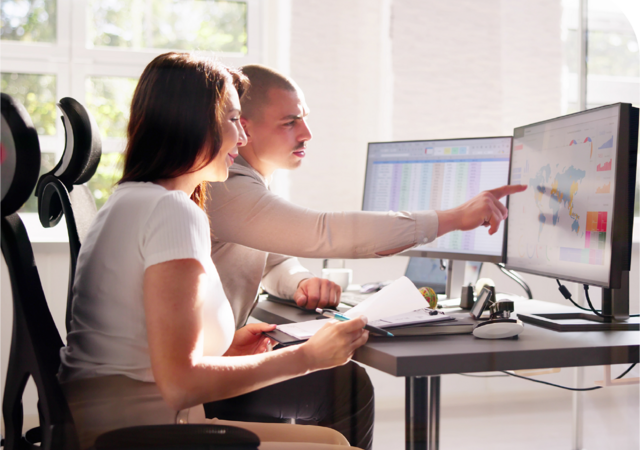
233 136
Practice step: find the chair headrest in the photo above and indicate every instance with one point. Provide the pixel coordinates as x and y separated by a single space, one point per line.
83 146
19 155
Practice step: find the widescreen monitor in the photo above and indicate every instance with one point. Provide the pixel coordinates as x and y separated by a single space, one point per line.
574 222
439 175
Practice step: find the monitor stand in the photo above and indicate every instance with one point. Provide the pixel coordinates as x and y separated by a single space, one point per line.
615 302
455 278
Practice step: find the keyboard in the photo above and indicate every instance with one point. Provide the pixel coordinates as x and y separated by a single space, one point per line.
353 298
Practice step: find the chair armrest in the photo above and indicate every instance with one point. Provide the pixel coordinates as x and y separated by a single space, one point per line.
188 437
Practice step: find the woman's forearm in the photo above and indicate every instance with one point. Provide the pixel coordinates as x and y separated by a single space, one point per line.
211 378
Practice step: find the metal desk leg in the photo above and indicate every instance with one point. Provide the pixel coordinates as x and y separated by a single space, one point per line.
422 413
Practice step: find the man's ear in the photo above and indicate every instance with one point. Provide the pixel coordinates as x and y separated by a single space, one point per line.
246 126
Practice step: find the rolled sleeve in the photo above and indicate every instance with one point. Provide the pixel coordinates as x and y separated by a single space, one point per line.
282 275
426 226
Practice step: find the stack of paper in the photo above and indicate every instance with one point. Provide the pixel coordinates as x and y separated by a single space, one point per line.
399 303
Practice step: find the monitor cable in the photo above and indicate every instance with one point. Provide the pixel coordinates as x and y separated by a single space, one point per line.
565 387
517 278
511 374
566 294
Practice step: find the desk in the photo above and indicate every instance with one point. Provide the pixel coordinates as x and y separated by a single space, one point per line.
422 359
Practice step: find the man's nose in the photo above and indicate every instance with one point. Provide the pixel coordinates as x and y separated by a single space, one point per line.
242 137
305 133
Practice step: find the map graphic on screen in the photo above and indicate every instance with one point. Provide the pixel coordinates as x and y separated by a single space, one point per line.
562 222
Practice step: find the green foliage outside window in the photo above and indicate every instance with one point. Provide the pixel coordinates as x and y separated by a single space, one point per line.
107 175
109 101
28 20
614 53
38 94
206 25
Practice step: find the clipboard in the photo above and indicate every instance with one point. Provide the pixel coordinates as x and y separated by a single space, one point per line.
283 338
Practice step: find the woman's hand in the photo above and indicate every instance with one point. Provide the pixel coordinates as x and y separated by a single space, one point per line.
249 340
334 344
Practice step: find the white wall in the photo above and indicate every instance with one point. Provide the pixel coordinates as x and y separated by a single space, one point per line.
448 69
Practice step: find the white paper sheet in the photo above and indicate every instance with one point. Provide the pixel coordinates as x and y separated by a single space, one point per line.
399 297
302 330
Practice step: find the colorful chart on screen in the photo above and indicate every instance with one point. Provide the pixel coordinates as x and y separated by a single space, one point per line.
561 226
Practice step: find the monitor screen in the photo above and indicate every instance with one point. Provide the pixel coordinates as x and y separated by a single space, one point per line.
575 214
427 272
438 175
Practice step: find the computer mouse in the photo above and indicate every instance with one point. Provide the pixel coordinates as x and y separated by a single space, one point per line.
368 288
498 329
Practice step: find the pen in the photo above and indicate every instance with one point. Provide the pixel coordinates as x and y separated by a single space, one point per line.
338 316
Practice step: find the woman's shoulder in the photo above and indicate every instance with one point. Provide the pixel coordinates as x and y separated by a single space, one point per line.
156 197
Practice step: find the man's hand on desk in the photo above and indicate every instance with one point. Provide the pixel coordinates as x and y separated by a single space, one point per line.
315 293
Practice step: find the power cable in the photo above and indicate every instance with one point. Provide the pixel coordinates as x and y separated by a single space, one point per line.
565 387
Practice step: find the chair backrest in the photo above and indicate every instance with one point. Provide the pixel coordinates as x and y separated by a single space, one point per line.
62 191
35 341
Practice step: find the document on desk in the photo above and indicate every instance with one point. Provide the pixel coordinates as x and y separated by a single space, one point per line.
398 304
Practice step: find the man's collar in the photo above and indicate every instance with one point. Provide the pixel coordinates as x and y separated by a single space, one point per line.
245 166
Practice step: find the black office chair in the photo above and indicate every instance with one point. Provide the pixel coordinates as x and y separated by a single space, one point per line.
35 341
63 191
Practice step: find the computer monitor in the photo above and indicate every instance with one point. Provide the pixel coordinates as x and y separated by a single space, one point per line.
438 175
575 221
427 272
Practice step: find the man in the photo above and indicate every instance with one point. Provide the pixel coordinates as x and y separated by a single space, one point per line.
253 228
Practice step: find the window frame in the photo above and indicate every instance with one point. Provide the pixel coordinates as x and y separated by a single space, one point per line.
71 62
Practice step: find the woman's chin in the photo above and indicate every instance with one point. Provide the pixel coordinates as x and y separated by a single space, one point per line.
217 176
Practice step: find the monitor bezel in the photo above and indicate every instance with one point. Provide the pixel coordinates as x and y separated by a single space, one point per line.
621 230
443 254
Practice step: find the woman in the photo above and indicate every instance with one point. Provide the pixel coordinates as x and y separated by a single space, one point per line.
152 335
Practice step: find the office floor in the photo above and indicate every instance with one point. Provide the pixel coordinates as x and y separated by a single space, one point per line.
523 421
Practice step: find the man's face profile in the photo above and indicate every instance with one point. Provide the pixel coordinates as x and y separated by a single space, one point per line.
278 135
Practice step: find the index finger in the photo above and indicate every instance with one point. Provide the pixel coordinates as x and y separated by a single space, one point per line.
508 190
354 324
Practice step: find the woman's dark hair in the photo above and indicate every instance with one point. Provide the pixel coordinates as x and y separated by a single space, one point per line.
176 118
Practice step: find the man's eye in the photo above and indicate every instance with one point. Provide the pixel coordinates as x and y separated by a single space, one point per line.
289 124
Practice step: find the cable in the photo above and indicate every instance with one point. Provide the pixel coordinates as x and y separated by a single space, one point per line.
565 387
566 294
515 277
626 371
552 384
595 311
481 376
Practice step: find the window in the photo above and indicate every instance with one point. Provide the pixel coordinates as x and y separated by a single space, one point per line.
95 50
613 59
613 65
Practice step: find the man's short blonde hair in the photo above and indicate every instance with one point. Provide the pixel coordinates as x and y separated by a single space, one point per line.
262 79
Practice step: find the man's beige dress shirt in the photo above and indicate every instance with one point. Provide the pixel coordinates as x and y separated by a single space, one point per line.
253 229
